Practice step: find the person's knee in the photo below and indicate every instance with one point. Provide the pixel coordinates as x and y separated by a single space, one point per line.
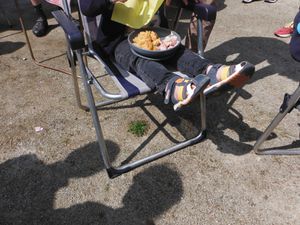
36 2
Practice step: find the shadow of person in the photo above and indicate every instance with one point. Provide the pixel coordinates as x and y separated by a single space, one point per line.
258 51
221 4
153 192
7 47
28 185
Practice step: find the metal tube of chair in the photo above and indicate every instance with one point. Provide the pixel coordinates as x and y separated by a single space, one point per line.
203 111
75 82
291 103
200 37
114 172
101 89
91 102
177 16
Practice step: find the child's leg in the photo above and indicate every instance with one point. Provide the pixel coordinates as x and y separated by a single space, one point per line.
179 90
153 73
222 78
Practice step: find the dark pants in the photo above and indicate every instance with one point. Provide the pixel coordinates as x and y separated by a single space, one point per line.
155 74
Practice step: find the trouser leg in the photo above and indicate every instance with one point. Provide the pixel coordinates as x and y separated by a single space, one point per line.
207 26
155 74
41 25
188 62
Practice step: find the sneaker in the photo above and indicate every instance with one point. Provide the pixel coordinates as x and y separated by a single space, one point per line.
285 31
40 27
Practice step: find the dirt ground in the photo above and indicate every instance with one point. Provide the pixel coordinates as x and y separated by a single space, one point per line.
55 175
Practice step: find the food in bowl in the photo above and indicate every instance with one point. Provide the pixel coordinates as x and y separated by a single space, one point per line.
150 40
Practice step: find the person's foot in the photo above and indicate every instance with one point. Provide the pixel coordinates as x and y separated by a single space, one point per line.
224 78
182 91
247 1
285 31
40 27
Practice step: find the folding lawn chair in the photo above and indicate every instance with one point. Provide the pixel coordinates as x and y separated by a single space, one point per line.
128 84
290 102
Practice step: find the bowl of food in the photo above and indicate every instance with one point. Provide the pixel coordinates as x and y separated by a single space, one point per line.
154 43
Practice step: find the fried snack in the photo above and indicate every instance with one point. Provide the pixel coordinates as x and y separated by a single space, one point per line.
147 40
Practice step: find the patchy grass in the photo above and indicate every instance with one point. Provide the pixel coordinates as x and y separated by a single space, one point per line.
138 128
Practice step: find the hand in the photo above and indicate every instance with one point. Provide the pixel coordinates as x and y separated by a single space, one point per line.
168 2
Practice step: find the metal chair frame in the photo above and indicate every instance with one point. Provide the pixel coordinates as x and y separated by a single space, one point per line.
77 45
290 102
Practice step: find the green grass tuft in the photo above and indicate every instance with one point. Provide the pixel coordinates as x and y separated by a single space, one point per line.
138 128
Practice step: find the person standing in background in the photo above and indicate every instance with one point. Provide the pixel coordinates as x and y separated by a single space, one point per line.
40 27
191 39
268 1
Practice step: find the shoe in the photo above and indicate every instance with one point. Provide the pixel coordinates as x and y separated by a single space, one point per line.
182 91
270 1
40 27
224 78
249 1
285 31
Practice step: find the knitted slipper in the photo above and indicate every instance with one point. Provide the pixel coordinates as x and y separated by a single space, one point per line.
181 92
233 76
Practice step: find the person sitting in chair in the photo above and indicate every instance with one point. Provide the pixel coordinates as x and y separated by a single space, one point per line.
111 40
295 40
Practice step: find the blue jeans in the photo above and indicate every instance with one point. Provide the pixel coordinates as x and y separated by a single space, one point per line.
155 74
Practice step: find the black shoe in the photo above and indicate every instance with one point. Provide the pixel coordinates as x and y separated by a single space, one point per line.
40 27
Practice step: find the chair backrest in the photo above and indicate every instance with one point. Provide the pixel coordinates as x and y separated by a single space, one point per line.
90 26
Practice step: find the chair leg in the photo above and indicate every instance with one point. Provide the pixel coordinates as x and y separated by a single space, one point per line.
93 110
290 102
71 60
200 38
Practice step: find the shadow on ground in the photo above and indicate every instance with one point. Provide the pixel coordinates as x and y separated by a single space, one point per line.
258 50
28 188
221 115
7 47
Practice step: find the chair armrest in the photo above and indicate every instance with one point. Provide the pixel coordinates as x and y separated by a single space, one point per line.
203 11
73 34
